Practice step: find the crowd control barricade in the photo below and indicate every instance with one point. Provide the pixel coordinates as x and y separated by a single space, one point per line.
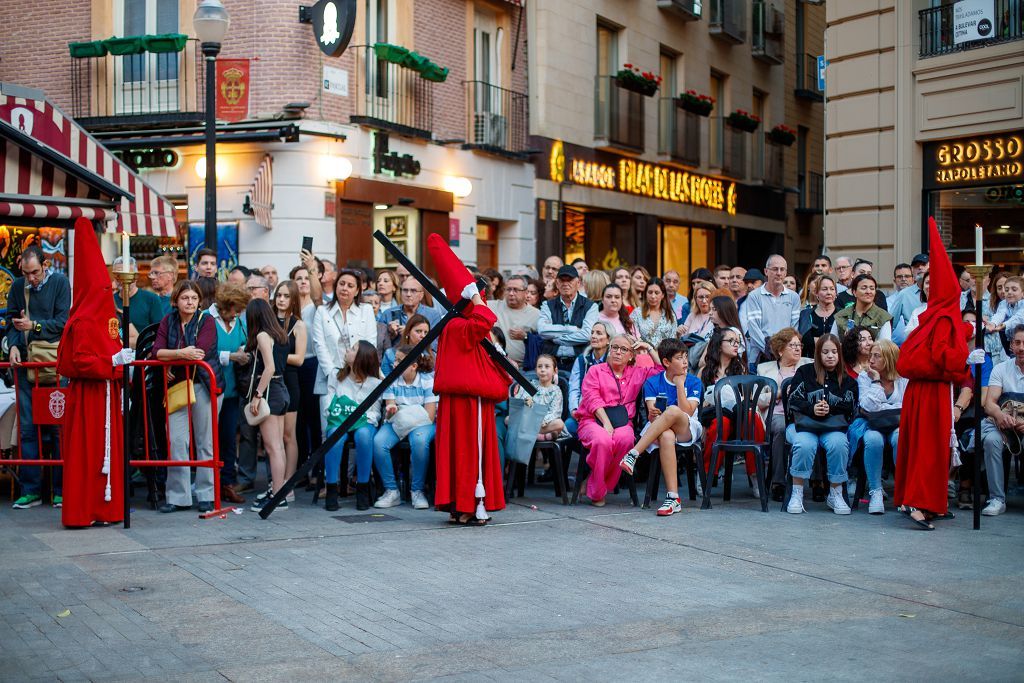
149 447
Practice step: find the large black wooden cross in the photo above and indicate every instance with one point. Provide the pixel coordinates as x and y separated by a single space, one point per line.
452 311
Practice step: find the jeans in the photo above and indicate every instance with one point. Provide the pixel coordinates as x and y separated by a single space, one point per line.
805 448
419 445
31 477
874 449
364 455
572 426
227 428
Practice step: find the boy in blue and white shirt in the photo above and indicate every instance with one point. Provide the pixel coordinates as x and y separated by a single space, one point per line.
672 399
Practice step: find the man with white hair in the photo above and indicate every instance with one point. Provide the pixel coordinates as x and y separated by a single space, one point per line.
768 309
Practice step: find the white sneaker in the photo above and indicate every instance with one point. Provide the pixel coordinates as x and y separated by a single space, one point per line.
419 501
754 491
836 502
796 501
390 499
629 461
876 505
994 507
669 507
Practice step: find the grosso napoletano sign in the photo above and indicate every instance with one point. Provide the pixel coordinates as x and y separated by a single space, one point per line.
981 160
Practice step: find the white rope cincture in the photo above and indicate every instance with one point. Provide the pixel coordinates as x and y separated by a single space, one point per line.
106 445
481 492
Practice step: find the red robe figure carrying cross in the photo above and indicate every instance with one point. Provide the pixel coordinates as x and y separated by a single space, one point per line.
469 384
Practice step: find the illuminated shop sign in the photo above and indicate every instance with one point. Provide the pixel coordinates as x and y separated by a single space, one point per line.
987 160
623 174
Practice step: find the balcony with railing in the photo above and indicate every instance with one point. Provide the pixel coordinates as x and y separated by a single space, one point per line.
728 148
767 32
938 36
496 119
687 10
137 81
812 192
727 20
807 79
618 115
678 132
392 97
770 161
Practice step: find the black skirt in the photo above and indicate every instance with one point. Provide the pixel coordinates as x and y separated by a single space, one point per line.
291 382
277 396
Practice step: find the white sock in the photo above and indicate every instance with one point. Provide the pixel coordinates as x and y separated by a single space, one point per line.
673 494
798 488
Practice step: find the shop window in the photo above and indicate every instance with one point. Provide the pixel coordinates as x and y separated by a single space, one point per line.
998 209
486 245
685 249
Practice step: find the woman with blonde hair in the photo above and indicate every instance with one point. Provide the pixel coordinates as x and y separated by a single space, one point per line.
699 320
880 398
594 283
638 279
808 295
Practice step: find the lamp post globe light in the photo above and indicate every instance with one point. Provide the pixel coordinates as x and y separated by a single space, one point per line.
211 25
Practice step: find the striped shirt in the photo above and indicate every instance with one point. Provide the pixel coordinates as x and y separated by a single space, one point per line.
763 314
418 393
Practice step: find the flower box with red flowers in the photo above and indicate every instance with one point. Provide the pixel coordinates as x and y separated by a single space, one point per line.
695 102
782 135
633 79
743 120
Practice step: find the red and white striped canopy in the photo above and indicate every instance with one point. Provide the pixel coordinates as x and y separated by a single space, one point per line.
51 168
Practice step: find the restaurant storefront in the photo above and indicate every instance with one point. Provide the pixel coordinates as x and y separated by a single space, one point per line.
977 181
614 210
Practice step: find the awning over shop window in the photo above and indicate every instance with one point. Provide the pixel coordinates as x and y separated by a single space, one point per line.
51 168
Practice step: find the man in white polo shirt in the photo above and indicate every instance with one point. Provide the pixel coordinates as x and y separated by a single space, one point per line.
1006 378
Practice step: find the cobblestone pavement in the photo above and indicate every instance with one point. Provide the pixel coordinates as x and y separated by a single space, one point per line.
552 592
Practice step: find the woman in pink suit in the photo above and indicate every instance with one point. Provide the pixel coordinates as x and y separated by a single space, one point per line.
607 408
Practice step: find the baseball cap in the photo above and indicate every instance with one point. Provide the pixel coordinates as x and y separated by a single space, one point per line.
567 271
753 275
920 258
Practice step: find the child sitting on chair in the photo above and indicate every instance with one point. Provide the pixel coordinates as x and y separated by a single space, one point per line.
672 399
549 394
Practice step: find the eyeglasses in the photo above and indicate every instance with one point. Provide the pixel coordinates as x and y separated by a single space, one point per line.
406 290
620 349
734 342
253 288
518 290
156 273
795 345
776 269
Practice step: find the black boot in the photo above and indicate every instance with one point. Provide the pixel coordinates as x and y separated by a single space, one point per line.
363 496
331 500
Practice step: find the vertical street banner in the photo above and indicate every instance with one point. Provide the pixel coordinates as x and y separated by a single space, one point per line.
232 89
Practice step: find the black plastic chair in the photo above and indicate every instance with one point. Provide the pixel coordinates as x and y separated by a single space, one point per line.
747 389
518 475
685 456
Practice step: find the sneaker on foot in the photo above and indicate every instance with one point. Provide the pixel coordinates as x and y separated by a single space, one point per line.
58 501
29 500
390 499
260 504
754 491
796 501
669 507
266 494
629 461
419 501
836 502
994 507
876 506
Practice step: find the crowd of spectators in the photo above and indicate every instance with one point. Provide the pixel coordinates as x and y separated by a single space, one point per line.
604 345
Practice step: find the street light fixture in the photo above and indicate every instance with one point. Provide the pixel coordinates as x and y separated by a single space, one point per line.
211 23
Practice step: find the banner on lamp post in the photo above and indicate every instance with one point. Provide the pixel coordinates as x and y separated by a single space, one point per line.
232 89
973 20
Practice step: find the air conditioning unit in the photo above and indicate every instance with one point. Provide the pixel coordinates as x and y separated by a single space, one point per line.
490 129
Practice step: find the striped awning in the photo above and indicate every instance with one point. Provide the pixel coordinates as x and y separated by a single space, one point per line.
51 168
262 193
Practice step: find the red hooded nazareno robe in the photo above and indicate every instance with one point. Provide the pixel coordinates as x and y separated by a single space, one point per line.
91 337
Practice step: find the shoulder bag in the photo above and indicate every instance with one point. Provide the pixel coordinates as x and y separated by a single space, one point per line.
884 421
814 425
263 408
617 414
40 351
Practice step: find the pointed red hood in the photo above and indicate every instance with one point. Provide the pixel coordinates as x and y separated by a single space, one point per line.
452 274
944 286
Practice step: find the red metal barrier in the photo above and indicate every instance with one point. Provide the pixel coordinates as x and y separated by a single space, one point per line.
140 366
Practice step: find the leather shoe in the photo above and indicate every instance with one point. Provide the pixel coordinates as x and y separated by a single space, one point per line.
229 494
244 488
170 507
205 506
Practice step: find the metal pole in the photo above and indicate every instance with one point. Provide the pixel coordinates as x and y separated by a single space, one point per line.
210 234
126 279
978 273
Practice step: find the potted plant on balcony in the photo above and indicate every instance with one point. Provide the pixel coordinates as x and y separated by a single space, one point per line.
782 135
743 120
696 103
633 79
129 45
165 42
433 72
395 54
94 48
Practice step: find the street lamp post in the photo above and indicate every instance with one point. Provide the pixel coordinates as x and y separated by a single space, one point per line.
211 25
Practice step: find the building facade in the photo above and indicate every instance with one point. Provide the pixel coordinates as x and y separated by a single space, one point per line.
925 116
630 173
418 127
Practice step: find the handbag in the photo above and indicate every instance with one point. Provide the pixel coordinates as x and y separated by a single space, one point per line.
884 421
180 395
524 421
40 351
262 408
814 425
617 415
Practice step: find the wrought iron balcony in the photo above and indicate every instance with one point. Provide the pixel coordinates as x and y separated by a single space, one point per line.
678 132
496 119
770 161
687 10
618 115
812 191
727 20
139 89
391 96
728 148
769 25
807 79
937 35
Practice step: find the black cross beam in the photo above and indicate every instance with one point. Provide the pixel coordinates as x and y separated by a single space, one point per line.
453 312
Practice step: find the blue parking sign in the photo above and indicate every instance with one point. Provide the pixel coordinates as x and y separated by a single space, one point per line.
821 73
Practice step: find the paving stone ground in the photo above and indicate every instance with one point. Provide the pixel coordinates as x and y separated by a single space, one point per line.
552 593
